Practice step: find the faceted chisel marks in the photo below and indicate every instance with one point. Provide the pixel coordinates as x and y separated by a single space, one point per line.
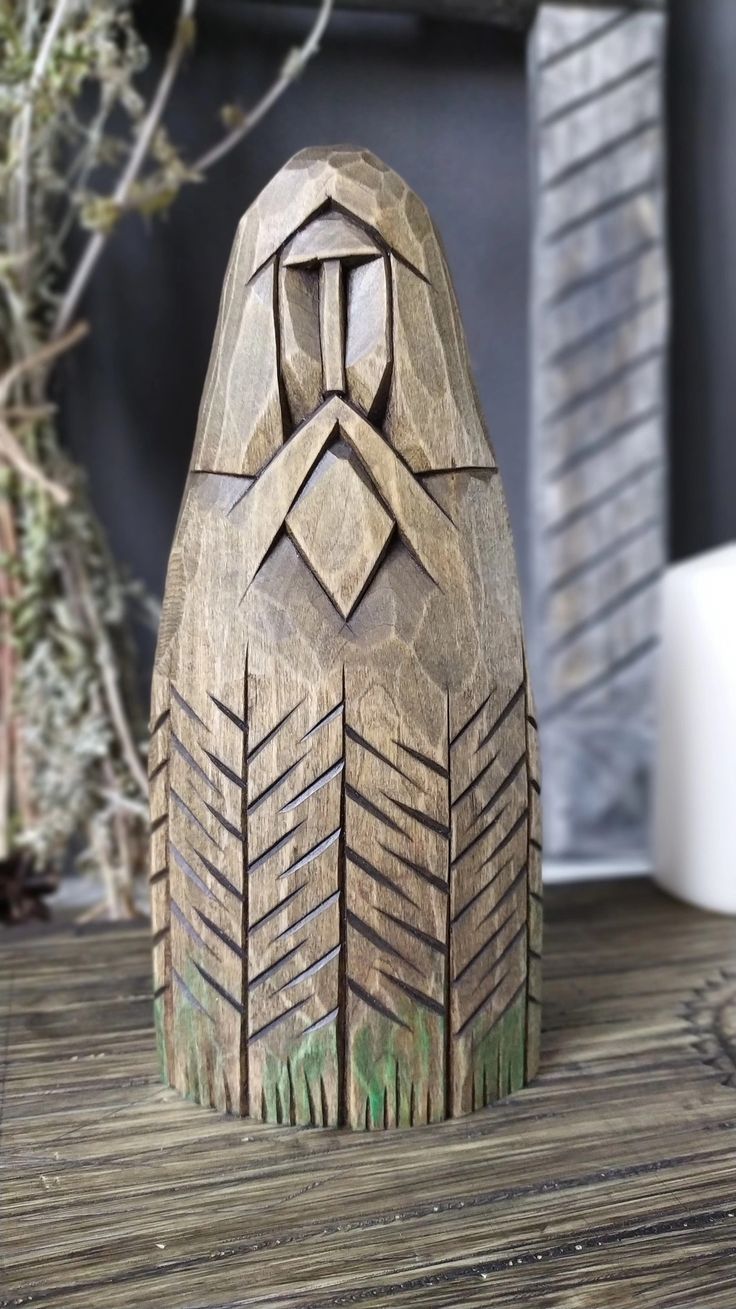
344 787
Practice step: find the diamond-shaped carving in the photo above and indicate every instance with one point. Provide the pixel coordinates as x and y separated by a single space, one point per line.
340 527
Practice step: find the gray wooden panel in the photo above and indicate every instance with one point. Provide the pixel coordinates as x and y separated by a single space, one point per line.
599 334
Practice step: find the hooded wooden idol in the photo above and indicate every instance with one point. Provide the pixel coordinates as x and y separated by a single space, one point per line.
345 812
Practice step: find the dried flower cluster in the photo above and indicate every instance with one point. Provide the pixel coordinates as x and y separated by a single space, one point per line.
71 733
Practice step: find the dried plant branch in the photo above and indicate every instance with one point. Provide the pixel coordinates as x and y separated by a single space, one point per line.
295 64
180 44
13 454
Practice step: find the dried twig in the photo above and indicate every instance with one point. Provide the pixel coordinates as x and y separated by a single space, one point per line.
295 63
96 244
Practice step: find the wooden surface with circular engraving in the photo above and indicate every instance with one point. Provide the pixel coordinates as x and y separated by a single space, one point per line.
610 1183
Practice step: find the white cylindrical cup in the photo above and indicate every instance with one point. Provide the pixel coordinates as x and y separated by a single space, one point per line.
695 782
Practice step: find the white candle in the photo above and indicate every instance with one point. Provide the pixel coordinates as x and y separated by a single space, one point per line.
695 791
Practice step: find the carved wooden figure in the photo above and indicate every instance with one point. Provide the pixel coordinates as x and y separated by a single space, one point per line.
344 791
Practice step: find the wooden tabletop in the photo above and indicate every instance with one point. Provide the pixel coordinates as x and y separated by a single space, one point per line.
611 1182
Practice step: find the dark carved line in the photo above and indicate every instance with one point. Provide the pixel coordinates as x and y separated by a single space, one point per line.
478 778
419 816
327 718
261 745
160 990
536 845
239 722
602 556
422 759
481 1005
234 831
504 714
314 786
315 851
473 718
531 719
373 1003
158 876
603 384
507 893
601 152
601 679
600 274
432 941
420 871
160 721
503 786
507 1006
475 898
508 838
265 973
160 936
582 42
190 713
191 761
226 772
535 895
189 872
311 970
275 1022
218 876
354 736
158 769
599 210
377 876
425 1000
621 597
315 1027
157 824
191 814
272 913
506 951
306 918
188 995
370 934
223 936
604 497
601 331
534 784
188 927
274 786
629 74
372 809
274 849
216 986
485 946
480 837
341 1028
448 950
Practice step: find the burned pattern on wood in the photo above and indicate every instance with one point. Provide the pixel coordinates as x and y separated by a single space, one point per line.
344 782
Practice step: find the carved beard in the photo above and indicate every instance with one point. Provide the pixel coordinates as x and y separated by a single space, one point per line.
345 851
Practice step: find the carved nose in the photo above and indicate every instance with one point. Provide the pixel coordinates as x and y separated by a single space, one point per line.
332 326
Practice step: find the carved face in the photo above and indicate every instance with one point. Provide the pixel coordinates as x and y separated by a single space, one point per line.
341 379
334 317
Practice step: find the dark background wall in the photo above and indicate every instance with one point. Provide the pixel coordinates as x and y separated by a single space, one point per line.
443 105
702 168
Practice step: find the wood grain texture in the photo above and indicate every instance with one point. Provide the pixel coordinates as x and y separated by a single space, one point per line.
600 327
609 1183
345 786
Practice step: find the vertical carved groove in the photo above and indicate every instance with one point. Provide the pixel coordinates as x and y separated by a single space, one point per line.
342 967
448 933
244 920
